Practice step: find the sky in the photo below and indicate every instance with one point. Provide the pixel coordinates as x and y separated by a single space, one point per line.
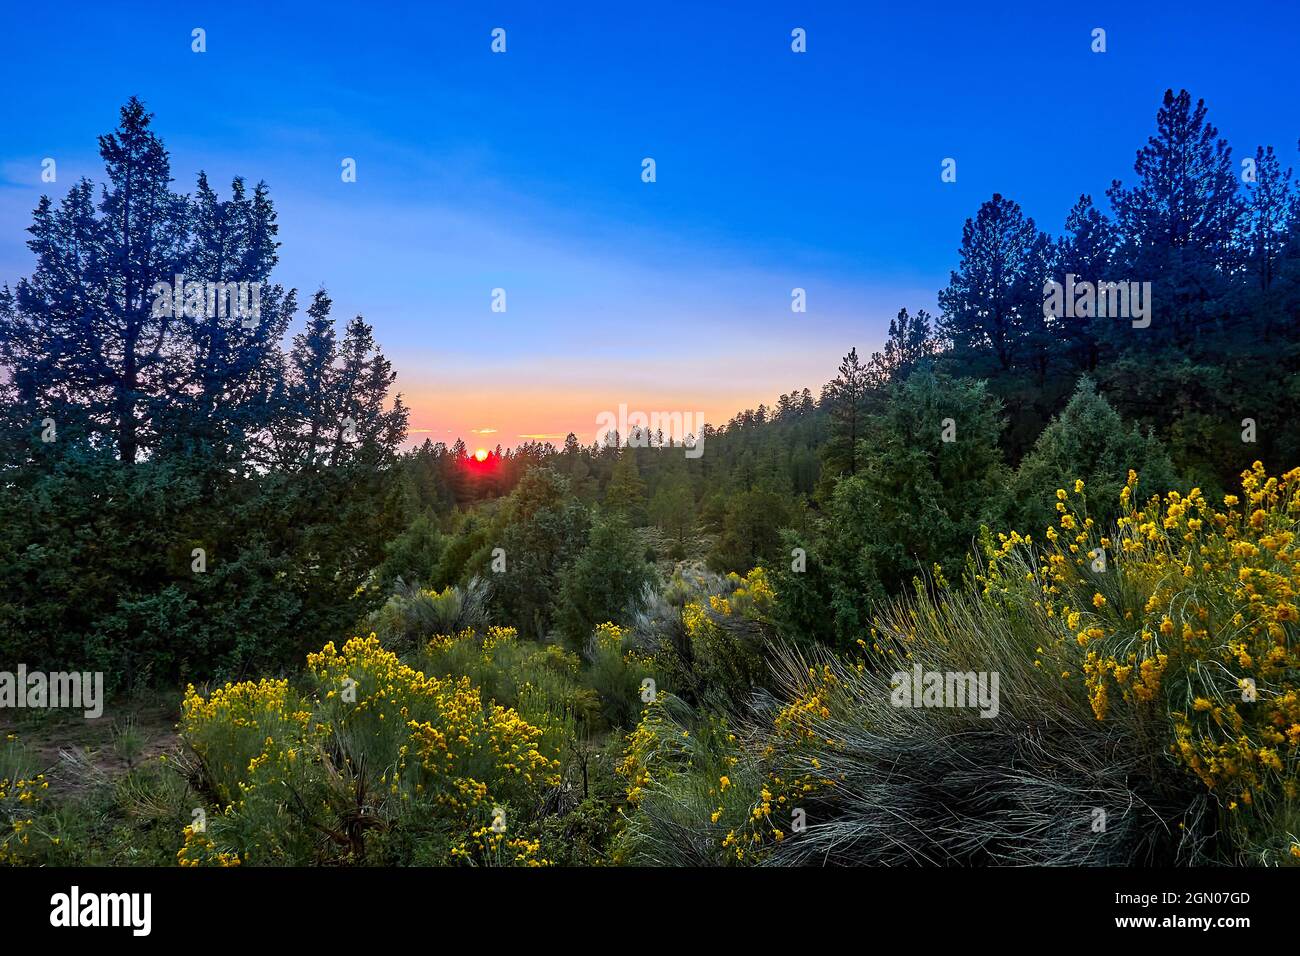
522 170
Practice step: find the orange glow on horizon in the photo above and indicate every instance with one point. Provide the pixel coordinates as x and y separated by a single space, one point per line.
545 400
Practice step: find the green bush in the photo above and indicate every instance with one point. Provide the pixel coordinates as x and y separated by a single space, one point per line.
606 582
931 474
1088 440
174 570
414 556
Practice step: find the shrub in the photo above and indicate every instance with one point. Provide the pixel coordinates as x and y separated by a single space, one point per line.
728 636
617 673
1183 622
542 682
705 636
377 751
605 582
97 563
1087 440
411 616
414 556
22 788
686 789
236 725
831 772
1146 710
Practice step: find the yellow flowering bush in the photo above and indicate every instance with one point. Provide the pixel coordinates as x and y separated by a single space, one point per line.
655 746
540 682
1121 651
753 596
489 847
698 793
242 727
441 741
723 655
378 742
21 793
199 850
1186 618
807 725
609 637
695 795
618 672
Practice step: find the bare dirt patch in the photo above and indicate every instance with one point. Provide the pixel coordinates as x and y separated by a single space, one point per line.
126 735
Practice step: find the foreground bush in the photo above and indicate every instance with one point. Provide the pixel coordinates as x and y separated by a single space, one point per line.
379 763
1184 624
706 637
1146 711
832 772
541 682
22 789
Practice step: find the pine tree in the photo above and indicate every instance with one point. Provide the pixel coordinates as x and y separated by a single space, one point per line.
336 408
1085 251
625 493
910 342
303 433
673 507
993 306
1268 222
1178 222
1087 441
93 336
846 397
82 334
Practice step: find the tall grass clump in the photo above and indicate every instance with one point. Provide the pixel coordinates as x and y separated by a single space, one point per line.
412 615
1041 783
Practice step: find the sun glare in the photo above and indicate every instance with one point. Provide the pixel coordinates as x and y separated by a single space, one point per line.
481 454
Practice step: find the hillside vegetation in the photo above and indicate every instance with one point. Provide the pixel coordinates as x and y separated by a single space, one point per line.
370 653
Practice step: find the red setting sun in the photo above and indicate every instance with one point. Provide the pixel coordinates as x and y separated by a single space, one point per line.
481 454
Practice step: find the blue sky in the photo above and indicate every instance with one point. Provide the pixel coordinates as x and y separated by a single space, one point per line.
522 170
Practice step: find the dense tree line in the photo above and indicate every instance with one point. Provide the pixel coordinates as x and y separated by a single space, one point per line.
176 432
